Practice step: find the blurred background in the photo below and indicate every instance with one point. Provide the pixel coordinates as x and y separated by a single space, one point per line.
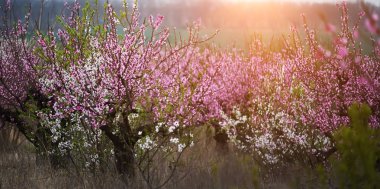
236 20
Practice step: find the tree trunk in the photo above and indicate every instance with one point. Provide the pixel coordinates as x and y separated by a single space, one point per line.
221 139
124 153
125 160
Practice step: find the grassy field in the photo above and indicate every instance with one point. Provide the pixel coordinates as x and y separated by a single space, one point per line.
206 165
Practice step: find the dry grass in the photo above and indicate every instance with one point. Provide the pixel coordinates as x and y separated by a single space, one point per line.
202 166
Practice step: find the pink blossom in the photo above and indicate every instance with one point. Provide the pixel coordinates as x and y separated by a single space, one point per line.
41 41
330 28
356 34
370 25
342 51
8 4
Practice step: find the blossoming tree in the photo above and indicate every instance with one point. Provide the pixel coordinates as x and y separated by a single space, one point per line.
302 95
20 94
105 75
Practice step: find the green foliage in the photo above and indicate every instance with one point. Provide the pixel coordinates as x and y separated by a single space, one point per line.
358 147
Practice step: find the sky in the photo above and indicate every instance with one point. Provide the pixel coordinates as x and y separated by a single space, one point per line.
376 2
